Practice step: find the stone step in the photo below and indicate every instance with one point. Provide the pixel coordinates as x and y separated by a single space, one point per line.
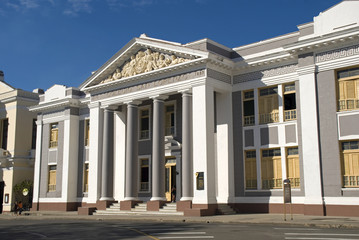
105 212
140 209
226 210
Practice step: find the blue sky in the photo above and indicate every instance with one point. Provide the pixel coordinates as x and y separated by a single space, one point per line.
46 42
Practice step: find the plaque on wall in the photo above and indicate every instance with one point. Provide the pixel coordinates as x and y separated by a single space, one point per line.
200 180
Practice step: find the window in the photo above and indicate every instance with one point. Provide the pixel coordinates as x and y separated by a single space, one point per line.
248 107
4 133
170 120
145 124
350 163
87 132
251 169
268 105
348 89
52 178
271 169
290 111
34 129
293 171
54 135
86 177
144 174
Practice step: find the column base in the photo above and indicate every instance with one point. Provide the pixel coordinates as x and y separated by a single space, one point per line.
155 205
103 204
128 204
184 205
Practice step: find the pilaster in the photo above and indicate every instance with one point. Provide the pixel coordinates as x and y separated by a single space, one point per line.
203 145
96 133
70 159
310 133
38 159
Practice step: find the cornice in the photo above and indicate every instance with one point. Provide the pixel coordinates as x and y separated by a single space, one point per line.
315 43
57 104
154 73
310 69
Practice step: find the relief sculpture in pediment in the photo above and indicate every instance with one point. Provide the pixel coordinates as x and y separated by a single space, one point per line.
142 62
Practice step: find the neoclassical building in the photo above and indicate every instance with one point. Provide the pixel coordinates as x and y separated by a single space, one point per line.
17 141
225 126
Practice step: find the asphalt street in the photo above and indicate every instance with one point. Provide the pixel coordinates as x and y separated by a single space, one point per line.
23 228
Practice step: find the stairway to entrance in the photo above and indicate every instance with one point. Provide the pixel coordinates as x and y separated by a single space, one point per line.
140 209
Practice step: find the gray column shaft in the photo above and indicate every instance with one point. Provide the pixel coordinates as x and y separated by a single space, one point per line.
158 151
187 176
107 156
131 189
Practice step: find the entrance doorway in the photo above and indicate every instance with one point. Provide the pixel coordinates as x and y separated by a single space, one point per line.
170 176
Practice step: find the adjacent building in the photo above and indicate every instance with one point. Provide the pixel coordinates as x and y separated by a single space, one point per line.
225 126
17 140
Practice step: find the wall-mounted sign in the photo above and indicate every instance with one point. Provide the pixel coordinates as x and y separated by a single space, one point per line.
6 200
200 180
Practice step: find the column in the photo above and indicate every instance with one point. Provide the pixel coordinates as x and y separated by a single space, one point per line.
187 178
158 150
107 156
131 188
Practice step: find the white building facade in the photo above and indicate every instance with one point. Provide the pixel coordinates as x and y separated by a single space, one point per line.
223 126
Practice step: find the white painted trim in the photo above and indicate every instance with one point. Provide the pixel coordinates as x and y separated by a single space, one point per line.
38 161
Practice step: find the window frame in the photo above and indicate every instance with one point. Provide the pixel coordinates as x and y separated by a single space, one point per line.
254 184
86 177
343 167
140 110
294 180
277 182
291 114
140 158
264 116
54 143
87 132
350 78
52 189
250 119
169 103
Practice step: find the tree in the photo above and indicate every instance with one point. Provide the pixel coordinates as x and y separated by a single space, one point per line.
23 192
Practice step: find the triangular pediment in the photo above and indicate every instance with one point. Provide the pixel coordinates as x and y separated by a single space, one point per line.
139 57
142 62
4 87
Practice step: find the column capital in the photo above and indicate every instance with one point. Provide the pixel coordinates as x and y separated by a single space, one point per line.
110 107
94 105
186 92
133 102
159 97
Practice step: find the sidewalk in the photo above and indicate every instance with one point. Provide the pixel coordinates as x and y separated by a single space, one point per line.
298 220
